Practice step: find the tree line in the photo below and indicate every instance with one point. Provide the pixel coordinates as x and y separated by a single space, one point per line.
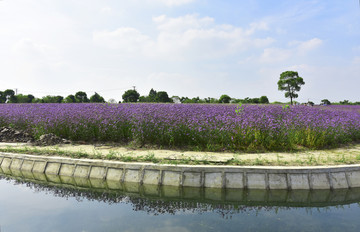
9 96
131 95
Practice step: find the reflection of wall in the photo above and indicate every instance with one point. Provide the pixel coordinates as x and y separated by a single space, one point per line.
225 177
156 198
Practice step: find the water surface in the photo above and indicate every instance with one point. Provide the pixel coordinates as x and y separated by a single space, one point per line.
33 205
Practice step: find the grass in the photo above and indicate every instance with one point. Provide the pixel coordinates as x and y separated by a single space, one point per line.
309 158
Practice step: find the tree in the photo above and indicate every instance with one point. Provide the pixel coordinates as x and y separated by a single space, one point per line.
24 98
162 96
112 101
224 99
290 82
144 99
345 102
176 99
8 96
131 95
81 97
97 98
152 95
264 100
70 99
325 102
52 99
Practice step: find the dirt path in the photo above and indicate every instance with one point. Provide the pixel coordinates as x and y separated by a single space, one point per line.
345 155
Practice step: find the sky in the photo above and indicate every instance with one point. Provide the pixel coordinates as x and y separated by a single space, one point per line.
190 48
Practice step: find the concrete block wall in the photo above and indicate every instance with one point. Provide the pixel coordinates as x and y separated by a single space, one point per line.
222 177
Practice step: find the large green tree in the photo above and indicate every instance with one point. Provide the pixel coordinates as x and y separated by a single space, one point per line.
131 95
96 98
81 97
224 99
162 96
290 82
8 96
70 99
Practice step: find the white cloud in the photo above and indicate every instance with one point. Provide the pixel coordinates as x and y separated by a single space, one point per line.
257 26
125 39
197 37
106 10
296 48
183 23
173 2
29 47
356 60
273 55
187 37
307 46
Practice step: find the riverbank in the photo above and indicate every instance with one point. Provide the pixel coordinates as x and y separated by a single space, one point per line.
345 155
184 169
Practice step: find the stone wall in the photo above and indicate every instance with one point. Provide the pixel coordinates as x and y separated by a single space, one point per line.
229 177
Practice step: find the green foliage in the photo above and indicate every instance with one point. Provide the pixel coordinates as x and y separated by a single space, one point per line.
81 97
7 96
51 99
284 107
152 96
211 100
290 82
70 99
264 100
239 108
96 98
325 102
224 99
345 102
20 98
162 96
131 95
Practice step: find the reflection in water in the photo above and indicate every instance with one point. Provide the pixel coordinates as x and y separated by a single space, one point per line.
157 200
39 202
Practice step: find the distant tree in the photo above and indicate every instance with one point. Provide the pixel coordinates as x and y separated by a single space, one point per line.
81 97
2 97
9 96
211 100
31 98
96 98
176 99
224 99
290 82
345 102
255 100
162 96
70 99
264 100
152 96
112 101
131 95
20 98
52 99
144 99
195 99
325 102
183 99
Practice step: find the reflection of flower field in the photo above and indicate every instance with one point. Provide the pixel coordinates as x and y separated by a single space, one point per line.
197 126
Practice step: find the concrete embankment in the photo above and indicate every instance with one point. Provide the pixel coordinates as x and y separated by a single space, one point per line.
208 176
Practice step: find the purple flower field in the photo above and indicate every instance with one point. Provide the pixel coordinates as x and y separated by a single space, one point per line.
195 126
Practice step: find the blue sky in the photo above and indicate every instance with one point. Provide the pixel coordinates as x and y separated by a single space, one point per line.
191 48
